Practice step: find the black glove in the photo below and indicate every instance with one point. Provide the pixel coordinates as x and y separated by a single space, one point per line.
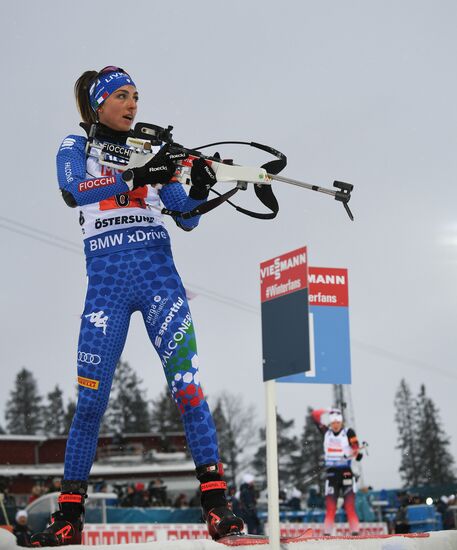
159 169
202 177
359 457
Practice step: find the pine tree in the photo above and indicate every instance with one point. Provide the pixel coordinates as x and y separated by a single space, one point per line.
53 413
69 414
436 463
166 419
407 441
223 433
259 461
127 409
287 447
308 464
23 409
235 432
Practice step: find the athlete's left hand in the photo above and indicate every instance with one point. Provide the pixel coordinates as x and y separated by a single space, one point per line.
203 178
159 169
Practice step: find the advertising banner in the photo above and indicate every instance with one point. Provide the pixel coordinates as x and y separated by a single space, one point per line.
285 315
329 328
127 533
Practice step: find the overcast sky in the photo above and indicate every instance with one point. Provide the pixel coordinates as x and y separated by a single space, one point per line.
360 91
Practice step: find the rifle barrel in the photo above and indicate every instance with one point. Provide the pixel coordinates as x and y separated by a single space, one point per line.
303 184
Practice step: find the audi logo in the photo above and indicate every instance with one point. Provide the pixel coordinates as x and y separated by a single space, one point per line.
90 358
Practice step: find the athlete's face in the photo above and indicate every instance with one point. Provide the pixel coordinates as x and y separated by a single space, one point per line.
336 426
119 109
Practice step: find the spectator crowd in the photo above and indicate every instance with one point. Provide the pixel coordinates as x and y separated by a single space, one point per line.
244 502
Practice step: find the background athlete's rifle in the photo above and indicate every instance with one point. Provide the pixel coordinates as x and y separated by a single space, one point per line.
146 135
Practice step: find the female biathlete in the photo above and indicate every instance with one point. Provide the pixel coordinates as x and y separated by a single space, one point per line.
340 447
130 268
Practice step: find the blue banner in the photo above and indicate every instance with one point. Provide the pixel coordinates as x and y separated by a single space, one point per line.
329 329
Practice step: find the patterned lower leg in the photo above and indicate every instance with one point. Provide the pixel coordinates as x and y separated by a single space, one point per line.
104 326
330 511
349 507
182 373
170 328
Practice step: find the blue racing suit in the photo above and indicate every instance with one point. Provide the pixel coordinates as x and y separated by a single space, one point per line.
129 268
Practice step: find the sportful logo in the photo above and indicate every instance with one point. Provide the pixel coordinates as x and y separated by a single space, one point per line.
174 309
67 143
90 358
97 319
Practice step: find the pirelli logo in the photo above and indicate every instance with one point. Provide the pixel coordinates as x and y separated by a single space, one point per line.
88 383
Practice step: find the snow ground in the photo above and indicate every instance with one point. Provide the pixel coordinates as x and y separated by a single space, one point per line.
439 540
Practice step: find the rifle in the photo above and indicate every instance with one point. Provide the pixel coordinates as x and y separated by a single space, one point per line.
145 136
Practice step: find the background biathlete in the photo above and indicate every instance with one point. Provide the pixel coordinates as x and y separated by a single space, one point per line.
130 268
340 447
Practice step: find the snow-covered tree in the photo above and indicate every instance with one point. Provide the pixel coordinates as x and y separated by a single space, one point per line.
236 432
69 414
53 413
308 463
407 442
166 419
23 409
436 464
287 447
127 410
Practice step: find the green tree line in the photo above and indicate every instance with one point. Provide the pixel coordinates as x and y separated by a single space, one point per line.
424 447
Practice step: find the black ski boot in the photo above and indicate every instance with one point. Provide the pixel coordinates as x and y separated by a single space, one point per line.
221 521
68 522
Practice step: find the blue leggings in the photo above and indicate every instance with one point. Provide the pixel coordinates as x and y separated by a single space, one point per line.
143 280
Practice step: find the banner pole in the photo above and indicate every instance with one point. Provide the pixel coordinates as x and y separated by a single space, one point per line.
272 465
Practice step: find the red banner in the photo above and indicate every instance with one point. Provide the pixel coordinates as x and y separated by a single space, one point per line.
328 286
122 533
283 274
126 533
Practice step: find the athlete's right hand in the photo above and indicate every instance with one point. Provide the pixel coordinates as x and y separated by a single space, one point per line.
159 169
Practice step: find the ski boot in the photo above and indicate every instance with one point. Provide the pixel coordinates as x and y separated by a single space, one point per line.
67 523
220 520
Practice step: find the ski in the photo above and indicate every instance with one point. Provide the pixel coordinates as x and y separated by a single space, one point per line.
246 540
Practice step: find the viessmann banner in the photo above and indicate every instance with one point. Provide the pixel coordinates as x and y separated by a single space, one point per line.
329 328
285 316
